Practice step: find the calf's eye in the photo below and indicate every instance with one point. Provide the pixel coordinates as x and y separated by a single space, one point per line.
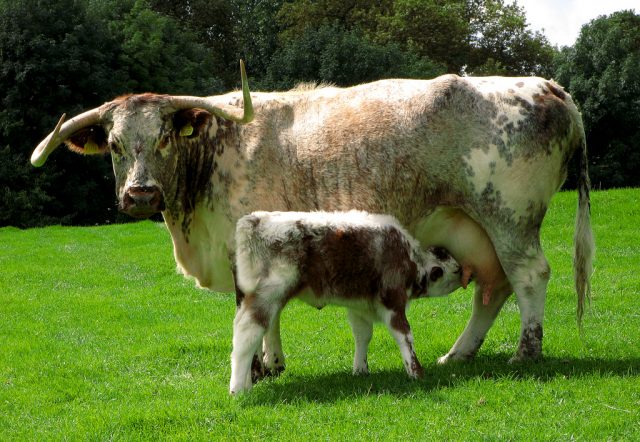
436 273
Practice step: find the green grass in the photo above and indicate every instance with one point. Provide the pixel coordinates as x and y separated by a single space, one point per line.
101 339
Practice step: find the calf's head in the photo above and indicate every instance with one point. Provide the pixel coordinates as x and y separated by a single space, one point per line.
441 273
150 138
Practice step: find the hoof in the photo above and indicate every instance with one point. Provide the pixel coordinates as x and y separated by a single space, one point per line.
454 357
257 369
273 371
519 358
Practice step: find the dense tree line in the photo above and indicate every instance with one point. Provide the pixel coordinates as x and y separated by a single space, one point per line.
70 55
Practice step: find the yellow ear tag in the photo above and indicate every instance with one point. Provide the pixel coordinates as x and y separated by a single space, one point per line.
186 130
91 147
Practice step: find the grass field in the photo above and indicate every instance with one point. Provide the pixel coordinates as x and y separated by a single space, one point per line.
100 339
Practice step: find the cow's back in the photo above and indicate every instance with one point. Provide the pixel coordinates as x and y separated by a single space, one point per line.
406 146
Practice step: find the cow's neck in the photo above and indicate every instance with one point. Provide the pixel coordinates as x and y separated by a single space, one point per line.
201 222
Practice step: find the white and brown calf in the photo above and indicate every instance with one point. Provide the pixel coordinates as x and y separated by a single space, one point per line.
364 262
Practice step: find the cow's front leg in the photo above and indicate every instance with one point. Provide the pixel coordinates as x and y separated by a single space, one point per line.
272 354
249 327
398 325
482 317
362 329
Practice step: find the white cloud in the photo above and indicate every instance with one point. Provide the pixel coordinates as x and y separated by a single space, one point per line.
561 20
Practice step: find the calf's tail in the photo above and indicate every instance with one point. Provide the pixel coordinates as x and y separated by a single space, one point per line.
583 238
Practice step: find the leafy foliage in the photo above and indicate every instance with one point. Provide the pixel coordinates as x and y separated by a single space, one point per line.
59 56
72 55
602 72
331 54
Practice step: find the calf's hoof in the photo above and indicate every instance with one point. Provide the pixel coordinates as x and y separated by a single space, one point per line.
257 369
361 370
273 371
454 357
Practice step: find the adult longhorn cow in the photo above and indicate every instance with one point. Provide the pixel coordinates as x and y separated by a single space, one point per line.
493 149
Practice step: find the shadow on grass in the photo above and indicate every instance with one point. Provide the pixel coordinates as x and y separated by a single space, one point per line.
331 387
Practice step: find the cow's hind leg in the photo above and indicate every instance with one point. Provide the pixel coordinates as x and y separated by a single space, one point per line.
482 317
362 329
529 279
272 354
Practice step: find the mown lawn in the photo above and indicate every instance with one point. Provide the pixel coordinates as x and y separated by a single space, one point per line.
101 339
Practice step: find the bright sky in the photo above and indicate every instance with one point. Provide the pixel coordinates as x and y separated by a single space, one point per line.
561 20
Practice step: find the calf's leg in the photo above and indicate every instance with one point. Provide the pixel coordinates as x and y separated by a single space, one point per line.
272 354
248 329
398 325
257 369
362 329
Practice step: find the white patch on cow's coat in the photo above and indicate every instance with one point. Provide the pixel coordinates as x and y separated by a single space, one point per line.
205 256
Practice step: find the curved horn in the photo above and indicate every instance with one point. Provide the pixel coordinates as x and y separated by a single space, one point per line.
61 133
226 112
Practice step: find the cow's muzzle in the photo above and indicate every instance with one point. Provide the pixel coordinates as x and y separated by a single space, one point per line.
142 201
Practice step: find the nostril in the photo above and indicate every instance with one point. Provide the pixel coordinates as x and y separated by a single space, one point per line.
127 200
142 190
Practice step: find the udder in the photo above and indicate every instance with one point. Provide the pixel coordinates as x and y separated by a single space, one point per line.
468 243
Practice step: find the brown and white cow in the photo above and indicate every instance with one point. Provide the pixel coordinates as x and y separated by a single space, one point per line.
365 262
495 149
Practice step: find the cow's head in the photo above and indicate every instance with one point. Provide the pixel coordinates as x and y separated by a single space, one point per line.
144 134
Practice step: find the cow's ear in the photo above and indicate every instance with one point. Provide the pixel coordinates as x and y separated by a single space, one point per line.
88 141
190 122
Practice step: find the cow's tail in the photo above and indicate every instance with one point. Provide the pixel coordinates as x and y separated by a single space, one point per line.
583 239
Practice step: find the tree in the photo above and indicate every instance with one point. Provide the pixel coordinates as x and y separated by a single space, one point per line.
53 57
602 72
502 44
67 56
471 36
333 55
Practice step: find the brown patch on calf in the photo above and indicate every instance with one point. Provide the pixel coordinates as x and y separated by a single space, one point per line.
329 265
259 315
400 322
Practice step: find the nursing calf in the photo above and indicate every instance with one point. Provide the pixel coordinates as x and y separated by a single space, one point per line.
367 263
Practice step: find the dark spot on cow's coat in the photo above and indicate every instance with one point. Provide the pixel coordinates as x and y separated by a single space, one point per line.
520 84
556 90
531 343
